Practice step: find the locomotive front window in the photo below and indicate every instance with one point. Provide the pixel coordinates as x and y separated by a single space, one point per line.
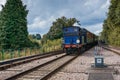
72 31
75 30
71 34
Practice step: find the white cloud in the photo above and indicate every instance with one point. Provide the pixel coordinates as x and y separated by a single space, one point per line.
37 23
90 3
40 26
106 5
96 28
2 2
42 13
97 9
76 24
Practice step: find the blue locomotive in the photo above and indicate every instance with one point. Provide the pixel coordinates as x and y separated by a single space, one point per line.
77 39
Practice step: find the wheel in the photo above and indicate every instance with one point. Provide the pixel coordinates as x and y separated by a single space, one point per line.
79 50
68 51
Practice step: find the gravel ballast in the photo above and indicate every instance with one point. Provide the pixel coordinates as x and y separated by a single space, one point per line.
80 67
19 68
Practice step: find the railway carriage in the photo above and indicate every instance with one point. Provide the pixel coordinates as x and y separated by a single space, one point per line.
77 39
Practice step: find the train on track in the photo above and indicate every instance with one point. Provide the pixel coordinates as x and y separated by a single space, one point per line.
77 39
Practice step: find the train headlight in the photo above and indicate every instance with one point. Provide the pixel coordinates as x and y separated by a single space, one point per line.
77 41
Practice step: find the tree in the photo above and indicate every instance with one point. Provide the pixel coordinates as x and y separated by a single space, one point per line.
111 19
38 36
13 25
55 31
105 32
33 36
111 26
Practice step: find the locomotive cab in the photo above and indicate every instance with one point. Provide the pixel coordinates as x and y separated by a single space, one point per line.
71 39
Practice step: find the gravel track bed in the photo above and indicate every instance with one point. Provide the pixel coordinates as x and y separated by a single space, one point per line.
19 68
113 60
81 66
117 49
42 71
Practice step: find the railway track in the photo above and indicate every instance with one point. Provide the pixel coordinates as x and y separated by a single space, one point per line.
111 50
43 71
26 66
18 61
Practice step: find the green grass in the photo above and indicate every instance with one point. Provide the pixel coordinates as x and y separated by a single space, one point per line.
8 54
46 47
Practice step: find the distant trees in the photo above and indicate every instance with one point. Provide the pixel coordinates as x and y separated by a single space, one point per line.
35 36
13 25
38 36
111 26
55 31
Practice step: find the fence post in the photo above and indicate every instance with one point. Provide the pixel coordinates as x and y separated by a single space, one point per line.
11 53
30 50
25 51
39 50
48 49
2 54
54 48
42 49
18 52
35 50
45 49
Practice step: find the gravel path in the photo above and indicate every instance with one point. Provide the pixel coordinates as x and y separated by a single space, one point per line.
80 67
13 70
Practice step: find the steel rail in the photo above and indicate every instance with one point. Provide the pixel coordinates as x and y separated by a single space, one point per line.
111 50
51 72
10 63
32 69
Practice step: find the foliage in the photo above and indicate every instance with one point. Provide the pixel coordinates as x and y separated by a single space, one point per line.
35 36
55 31
52 44
46 47
111 26
38 36
13 25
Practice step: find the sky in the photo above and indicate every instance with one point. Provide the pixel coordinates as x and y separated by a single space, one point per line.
90 13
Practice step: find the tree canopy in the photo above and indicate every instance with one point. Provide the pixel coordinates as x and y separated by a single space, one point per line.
55 31
13 25
111 26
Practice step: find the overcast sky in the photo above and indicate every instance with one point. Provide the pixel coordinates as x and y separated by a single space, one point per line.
90 13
